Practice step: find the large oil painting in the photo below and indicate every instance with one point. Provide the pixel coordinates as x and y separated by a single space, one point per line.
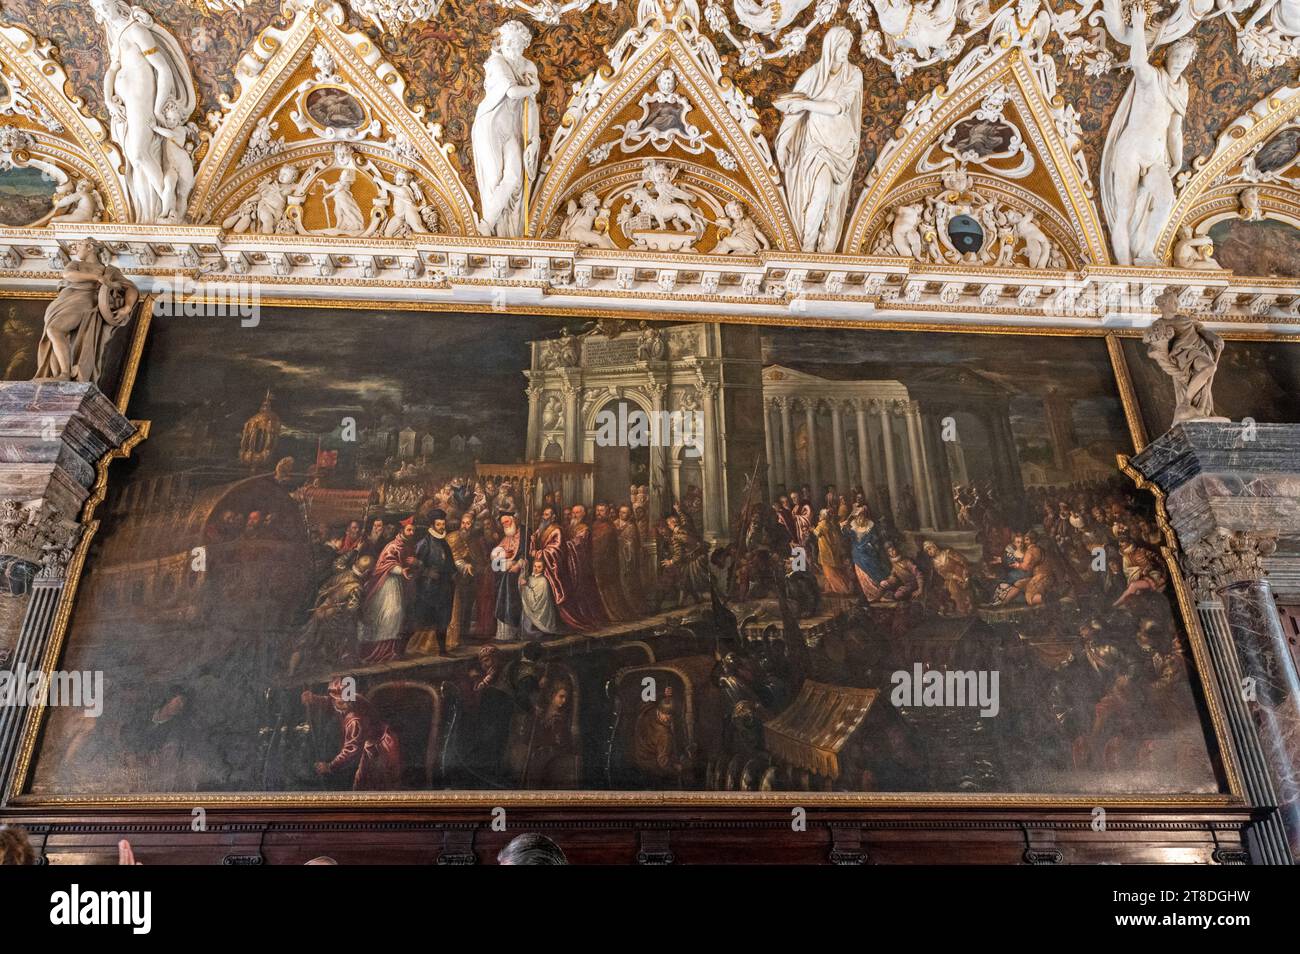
377 551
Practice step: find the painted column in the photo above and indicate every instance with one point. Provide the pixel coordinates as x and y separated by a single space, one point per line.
864 456
921 485
837 447
573 432
787 446
532 446
768 440
660 454
810 418
714 523
885 410
941 460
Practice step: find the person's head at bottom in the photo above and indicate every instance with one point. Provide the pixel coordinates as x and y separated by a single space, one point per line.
531 849
15 849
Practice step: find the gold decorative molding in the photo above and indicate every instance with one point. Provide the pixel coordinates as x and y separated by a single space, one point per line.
1058 189
1212 191
57 132
609 98
268 124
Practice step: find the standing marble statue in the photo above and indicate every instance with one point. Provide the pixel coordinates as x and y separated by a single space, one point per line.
817 144
1144 145
150 94
94 300
505 136
1189 353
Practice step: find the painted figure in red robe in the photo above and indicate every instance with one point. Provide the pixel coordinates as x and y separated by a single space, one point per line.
370 749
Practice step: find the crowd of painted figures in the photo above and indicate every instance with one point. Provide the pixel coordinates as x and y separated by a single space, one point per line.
1077 567
1072 541
469 564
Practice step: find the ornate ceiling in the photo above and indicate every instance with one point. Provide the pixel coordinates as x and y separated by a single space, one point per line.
869 150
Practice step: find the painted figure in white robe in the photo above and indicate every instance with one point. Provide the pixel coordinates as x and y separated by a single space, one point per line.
539 616
817 145
1144 147
505 135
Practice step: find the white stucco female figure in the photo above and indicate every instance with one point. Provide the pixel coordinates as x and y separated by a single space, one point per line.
817 145
147 73
505 134
1144 147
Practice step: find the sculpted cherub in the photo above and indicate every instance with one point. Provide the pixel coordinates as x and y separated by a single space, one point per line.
745 237
77 202
906 231
580 222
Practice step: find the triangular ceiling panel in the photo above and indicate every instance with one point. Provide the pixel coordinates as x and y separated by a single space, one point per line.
48 129
319 97
1252 173
995 144
662 110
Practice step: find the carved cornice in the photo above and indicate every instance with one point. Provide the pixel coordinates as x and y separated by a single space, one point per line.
504 272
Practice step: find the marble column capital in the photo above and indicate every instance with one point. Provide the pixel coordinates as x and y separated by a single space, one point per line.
1222 558
38 534
1227 483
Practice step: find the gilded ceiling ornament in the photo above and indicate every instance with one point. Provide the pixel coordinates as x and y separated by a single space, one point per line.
664 123
322 140
1252 172
985 138
960 224
664 94
659 214
905 35
550 12
391 16
999 112
43 128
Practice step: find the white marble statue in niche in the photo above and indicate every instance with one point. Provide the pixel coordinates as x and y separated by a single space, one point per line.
505 136
817 145
1144 145
150 96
